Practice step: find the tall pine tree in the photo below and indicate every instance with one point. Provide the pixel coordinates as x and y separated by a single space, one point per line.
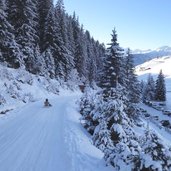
149 91
80 53
131 81
43 7
23 16
61 19
160 89
9 49
112 64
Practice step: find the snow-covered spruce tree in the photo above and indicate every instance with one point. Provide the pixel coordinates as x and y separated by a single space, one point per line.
132 86
67 62
88 104
80 53
106 120
112 64
70 34
149 90
112 132
43 7
9 49
61 18
142 89
49 64
65 57
125 149
154 154
73 79
160 89
38 63
91 59
99 50
132 83
53 41
23 16
102 136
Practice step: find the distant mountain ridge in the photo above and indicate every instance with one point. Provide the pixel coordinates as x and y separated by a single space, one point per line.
141 56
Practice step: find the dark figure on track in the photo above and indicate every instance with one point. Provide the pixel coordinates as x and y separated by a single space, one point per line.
46 103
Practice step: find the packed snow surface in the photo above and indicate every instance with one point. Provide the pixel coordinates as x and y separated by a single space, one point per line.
36 138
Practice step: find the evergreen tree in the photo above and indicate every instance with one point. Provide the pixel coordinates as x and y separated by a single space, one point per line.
38 63
91 65
53 41
131 81
154 152
80 54
106 120
61 19
102 136
99 54
160 89
70 34
49 64
65 57
149 91
50 37
112 64
9 49
23 16
43 7
142 89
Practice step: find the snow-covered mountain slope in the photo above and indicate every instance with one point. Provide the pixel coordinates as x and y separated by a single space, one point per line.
153 67
141 56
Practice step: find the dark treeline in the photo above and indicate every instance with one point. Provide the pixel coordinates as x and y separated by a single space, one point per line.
42 38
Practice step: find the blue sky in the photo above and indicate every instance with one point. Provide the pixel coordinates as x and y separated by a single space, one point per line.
140 24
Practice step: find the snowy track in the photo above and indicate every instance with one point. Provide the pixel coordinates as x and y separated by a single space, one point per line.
47 139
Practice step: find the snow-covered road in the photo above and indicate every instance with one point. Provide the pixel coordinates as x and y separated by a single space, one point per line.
35 138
